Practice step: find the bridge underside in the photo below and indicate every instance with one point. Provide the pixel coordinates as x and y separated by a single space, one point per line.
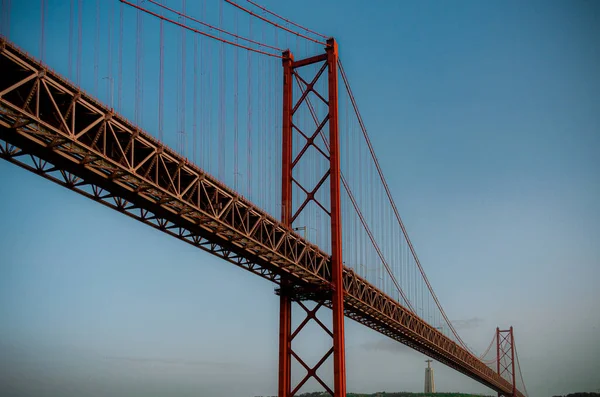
51 128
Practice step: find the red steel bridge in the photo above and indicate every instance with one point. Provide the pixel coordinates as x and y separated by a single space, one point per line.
234 129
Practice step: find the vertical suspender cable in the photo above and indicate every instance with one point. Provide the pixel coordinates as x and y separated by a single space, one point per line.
209 118
43 29
261 117
161 81
178 86
519 367
235 108
203 95
6 14
278 136
138 33
79 40
249 141
183 86
260 129
141 71
270 120
71 17
267 122
353 172
221 147
195 113
96 48
120 89
109 80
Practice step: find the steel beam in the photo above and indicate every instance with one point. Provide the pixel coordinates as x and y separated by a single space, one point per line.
339 350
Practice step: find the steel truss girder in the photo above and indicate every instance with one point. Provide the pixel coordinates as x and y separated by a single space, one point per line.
97 193
86 147
60 125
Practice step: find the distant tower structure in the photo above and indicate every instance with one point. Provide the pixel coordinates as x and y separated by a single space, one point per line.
429 383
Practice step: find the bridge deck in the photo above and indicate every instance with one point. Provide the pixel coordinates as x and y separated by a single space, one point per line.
51 128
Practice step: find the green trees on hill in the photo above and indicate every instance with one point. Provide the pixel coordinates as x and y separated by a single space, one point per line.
400 394
581 395
407 394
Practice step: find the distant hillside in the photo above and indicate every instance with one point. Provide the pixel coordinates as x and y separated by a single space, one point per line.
581 395
407 394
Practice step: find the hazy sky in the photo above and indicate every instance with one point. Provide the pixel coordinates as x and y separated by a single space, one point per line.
486 119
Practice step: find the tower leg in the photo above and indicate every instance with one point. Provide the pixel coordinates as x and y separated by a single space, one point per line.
339 351
285 301
285 325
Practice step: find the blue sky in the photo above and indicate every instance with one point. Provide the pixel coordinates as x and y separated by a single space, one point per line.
485 117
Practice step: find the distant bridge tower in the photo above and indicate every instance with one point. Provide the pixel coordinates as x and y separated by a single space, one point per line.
429 383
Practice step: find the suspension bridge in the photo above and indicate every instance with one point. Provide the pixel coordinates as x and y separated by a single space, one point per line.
234 129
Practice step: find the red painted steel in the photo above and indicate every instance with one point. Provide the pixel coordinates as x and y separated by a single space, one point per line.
512 362
498 351
285 330
273 23
339 353
53 129
285 301
286 20
212 27
154 14
310 61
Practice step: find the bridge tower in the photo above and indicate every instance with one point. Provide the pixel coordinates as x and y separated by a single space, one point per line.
505 353
333 294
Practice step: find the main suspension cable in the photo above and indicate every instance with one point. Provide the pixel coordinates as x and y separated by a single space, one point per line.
215 28
273 23
488 348
286 20
519 366
200 32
